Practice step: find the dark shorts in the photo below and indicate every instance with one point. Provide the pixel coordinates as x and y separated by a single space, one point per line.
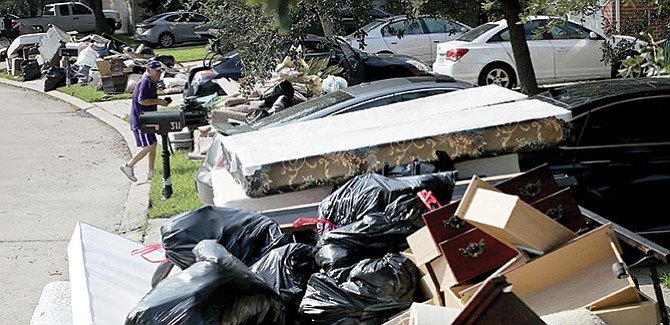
142 139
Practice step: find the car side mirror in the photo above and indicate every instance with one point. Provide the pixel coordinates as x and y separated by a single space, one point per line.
593 35
464 29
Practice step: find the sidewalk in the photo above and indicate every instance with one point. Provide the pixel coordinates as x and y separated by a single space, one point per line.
134 224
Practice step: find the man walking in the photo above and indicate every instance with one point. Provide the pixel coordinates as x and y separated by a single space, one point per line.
145 99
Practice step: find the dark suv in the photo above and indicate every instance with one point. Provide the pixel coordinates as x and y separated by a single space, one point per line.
617 158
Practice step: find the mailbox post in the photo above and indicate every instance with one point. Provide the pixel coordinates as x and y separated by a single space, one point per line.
163 123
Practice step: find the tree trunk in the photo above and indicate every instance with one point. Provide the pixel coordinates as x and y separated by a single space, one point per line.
524 66
101 25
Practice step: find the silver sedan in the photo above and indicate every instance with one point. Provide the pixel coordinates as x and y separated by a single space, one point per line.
170 28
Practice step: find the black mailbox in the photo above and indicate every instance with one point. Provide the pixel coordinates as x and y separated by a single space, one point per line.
162 122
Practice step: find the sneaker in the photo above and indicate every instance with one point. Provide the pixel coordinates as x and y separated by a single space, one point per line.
129 172
150 174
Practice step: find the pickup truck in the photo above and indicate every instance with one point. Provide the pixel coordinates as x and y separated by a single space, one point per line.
70 16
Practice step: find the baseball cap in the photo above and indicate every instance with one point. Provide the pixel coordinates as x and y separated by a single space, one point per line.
154 65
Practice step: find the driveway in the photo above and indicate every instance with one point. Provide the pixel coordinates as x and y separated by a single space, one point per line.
58 166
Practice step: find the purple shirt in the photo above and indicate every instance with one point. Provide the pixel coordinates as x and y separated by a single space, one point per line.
145 89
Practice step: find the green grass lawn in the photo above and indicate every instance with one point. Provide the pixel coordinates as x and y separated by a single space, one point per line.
185 54
10 77
184 197
181 54
89 93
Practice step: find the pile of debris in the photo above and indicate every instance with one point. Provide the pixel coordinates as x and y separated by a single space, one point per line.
293 81
381 254
102 60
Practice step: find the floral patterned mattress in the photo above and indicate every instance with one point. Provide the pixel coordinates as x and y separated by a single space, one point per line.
466 124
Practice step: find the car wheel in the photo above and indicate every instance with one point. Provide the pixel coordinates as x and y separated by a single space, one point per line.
620 66
165 40
111 24
498 74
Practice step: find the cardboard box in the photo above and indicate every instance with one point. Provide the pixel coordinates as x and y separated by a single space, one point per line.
576 275
104 67
512 221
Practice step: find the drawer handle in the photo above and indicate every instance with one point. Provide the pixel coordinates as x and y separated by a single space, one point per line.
556 213
473 249
532 189
453 222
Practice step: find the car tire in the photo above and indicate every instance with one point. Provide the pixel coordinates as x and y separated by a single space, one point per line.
619 65
497 74
111 24
165 40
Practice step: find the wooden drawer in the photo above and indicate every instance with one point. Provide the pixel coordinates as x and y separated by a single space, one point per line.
470 255
563 208
577 275
532 185
443 223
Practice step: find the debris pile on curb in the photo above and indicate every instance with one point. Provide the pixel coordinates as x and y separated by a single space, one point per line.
103 60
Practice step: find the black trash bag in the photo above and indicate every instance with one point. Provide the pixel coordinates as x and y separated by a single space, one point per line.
371 237
55 78
217 289
280 104
256 115
272 94
287 269
247 235
375 290
394 197
31 70
418 167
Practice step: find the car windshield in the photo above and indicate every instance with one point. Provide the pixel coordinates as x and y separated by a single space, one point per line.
303 109
152 19
474 33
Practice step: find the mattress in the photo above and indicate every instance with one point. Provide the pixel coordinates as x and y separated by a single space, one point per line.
466 124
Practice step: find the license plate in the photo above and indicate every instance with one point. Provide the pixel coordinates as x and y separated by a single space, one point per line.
440 59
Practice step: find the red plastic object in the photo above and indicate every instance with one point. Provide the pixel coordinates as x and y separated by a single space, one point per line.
142 252
429 200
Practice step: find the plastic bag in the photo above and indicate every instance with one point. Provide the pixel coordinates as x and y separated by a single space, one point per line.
217 289
31 70
374 290
247 235
394 197
256 115
287 270
55 78
418 167
371 237
280 104
272 94
333 83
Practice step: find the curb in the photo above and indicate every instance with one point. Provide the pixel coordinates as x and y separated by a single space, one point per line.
132 219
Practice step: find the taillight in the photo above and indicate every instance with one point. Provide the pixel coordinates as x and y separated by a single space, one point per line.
455 54
221 162
148 26
14 24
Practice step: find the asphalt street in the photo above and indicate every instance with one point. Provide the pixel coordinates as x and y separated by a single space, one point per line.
58 165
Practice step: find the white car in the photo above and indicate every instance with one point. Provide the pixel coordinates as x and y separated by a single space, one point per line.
413 37
483 56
